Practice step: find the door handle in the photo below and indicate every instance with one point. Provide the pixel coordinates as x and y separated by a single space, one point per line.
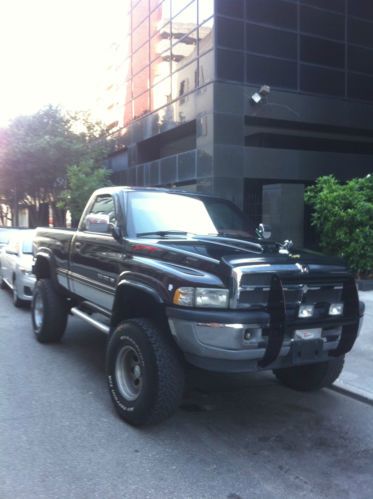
78 245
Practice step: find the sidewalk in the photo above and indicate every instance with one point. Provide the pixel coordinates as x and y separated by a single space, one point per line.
357 375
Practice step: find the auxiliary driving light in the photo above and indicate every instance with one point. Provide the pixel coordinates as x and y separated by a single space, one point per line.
336 309
305 311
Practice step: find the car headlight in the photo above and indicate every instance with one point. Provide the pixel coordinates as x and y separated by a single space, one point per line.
201 297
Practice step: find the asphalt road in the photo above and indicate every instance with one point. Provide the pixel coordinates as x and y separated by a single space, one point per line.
60 437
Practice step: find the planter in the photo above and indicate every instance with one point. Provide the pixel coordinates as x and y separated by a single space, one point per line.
365 284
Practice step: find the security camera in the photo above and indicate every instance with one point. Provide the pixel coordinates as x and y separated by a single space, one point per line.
264 90
258 96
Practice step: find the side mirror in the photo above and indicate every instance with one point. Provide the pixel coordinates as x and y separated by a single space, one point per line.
264 231
97 222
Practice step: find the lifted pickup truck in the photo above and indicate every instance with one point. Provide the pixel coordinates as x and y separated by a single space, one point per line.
175 278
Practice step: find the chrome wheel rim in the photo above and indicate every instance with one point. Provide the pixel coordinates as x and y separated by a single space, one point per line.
38 310
128 373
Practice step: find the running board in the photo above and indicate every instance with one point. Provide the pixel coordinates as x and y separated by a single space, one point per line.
98 325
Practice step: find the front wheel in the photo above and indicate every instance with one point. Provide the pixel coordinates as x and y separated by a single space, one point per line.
48 312
310 377
145 373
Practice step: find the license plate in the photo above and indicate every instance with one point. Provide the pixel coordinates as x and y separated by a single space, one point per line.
307 334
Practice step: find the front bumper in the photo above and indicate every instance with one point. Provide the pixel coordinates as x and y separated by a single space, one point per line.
25 286
237 341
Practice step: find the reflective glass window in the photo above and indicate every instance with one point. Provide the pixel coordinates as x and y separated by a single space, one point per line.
230 65
360 86
336 5
140 82
178 5
140 58
184 51
230 33
159 70
275 12
160 44
271 41
269 71
323 52
205 10
161 94
206 68
154 4
361 8
233 8
140 35
184 81
159 17
360 60
320 22
139 12
184 22
360 32
141 105
206 36
322 80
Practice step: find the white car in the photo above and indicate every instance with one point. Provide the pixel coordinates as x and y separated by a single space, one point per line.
16 261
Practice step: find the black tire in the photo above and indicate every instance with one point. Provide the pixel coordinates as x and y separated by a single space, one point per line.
145 373
312 376
49 312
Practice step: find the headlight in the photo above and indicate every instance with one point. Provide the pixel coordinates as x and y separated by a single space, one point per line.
201 297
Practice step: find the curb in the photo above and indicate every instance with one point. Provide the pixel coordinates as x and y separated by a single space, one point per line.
353 392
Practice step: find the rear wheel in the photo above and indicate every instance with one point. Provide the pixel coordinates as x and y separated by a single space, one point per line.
145 373
49 312
312 376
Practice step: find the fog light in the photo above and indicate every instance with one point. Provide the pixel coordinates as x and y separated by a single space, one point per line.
247 335
305 311
336 309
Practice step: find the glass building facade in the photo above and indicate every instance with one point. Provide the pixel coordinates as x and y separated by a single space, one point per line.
191 68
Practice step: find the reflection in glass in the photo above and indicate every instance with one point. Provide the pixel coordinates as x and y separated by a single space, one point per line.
139 12
184 81
206 68
206 36
179 5
140 59
140 35
205 10
141 105
140 82
161 94
185 22
160 16
159 70
184 51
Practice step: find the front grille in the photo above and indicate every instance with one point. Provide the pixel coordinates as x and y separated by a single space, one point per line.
251 290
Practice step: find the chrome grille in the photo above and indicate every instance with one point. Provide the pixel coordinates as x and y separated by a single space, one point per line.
251 288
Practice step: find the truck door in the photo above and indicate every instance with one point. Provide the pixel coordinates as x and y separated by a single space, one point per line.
95 254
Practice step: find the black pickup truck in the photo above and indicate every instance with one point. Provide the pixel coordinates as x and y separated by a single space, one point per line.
176 279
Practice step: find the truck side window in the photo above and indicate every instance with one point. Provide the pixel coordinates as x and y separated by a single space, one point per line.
101 216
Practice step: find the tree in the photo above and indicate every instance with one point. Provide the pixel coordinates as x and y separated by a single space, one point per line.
39 149
82 180
343 216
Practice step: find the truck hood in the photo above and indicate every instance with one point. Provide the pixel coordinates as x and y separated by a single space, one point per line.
197 251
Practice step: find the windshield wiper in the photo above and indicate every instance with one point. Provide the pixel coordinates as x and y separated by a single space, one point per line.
163 233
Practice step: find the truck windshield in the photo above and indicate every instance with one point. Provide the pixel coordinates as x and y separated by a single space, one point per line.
161 212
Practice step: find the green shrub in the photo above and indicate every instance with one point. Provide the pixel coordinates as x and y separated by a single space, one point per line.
343 216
